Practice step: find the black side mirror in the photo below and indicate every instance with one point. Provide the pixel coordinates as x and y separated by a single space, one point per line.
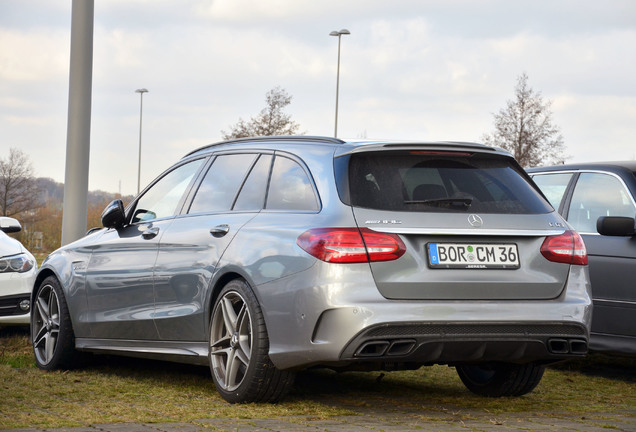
114 215
616 226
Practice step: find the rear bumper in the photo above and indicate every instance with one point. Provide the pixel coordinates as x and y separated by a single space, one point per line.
354 325
431 343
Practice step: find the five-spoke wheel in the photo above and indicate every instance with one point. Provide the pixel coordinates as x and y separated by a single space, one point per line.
51 330
231 341
239 345
45 324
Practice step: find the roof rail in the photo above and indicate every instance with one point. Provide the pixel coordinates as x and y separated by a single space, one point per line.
296 138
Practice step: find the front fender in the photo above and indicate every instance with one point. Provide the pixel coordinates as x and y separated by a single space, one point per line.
68 266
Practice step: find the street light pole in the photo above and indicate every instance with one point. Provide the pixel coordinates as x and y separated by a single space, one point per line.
141 92
78 133
339 34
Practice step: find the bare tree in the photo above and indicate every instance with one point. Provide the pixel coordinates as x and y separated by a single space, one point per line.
19 192
525 129
270 121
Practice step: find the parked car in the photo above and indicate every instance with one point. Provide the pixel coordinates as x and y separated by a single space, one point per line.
17 275
264 256
599 201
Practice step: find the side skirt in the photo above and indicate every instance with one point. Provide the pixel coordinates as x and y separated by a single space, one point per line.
175 351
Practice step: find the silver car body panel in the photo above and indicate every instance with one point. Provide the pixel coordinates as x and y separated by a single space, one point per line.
319 313
327 318
537 278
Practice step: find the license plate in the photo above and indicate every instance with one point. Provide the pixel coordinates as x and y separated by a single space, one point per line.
473 255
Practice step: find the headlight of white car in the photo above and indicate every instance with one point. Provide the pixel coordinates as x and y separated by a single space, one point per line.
16 264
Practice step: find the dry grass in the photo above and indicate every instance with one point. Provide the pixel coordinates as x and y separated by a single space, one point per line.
114 389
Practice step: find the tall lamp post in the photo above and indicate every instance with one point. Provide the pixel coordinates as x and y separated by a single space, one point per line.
339 34
141 92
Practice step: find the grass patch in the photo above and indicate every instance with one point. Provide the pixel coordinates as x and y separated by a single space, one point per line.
438 388
15 347
113 389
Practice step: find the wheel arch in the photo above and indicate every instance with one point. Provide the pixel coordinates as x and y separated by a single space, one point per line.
217 285
42 274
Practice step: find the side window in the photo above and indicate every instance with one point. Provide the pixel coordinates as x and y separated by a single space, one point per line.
290 188
221 183
162 199
596 195
553 186
252 195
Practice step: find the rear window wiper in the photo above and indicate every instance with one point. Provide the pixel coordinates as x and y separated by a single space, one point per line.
464 202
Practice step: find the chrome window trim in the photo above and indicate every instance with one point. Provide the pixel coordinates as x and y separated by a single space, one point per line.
482 232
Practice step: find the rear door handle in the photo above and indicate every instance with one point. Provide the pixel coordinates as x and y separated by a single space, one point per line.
220 230
150 233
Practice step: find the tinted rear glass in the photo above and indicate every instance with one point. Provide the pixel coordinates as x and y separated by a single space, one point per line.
221 183
419 182
290 187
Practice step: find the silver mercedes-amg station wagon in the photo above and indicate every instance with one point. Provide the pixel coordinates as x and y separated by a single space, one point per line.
263 256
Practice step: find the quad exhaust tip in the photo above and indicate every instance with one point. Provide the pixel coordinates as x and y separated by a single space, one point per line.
567 346
379 348
402 347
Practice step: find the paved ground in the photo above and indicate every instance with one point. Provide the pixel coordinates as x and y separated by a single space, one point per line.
391 419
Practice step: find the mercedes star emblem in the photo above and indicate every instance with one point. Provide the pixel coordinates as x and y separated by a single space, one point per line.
475 220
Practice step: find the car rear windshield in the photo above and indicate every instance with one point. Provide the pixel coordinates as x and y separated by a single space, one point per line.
418 181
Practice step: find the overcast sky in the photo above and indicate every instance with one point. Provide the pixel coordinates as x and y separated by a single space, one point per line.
411 69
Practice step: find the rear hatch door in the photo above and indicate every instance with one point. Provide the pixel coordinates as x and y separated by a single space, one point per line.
472 224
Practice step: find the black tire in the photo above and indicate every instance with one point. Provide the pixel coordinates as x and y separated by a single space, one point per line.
241 368
501 379
52 334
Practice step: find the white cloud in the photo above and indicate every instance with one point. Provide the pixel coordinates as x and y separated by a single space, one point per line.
33 56
409 70
250 11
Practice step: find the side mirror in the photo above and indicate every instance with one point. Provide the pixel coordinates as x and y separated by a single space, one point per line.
114 215
616 226
9 225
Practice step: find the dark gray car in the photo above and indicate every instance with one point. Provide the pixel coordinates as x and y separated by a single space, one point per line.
264 256
601 198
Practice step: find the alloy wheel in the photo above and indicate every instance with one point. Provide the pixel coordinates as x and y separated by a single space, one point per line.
46 324
231 340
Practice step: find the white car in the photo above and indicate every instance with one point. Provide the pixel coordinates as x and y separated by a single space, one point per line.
17 274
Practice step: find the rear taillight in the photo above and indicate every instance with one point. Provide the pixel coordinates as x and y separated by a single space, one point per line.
566 248
351 245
